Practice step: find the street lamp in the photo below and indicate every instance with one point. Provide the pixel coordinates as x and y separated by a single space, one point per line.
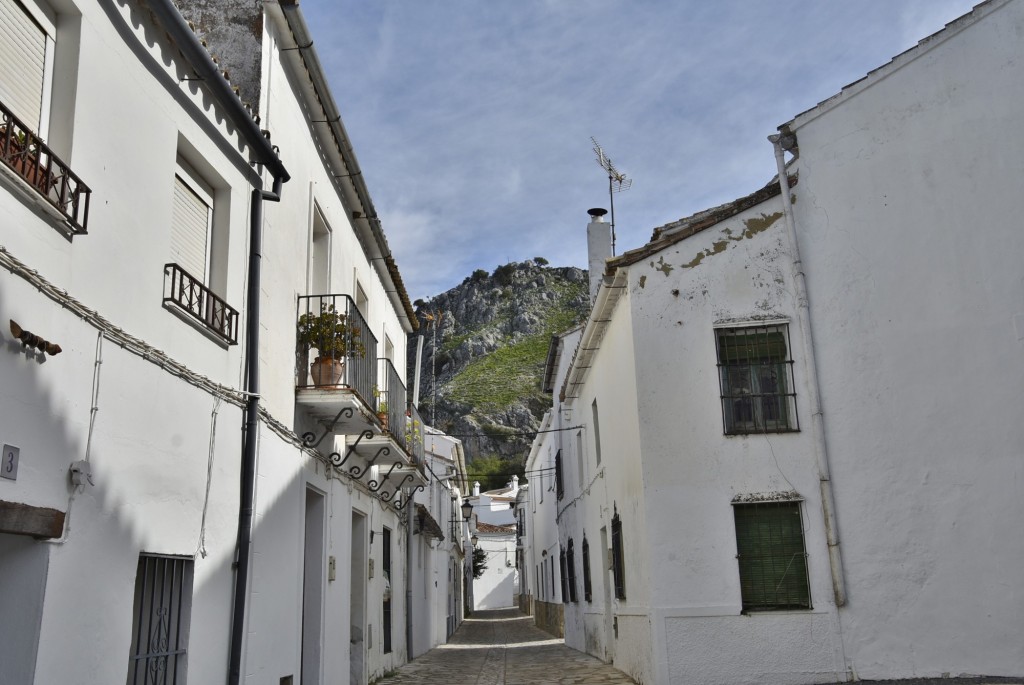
467 509
474 538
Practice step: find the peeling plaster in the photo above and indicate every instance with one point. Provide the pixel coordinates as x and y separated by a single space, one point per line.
643 281
753 226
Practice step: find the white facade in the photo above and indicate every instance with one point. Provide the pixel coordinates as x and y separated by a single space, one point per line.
903 213
151 400
493 521
439 563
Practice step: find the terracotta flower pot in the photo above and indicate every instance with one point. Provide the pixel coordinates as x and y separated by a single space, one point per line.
327 371
382 416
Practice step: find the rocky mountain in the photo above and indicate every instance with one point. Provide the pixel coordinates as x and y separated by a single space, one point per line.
485 344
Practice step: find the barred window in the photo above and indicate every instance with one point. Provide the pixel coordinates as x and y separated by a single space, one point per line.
561 564
771 554
588 593
618 566
756 379
559 487
570 565
163 609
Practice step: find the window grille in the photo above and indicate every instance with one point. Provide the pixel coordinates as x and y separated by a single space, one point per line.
755 374
570 565
588 593
618 567
565 583
559 487
771 554
163 607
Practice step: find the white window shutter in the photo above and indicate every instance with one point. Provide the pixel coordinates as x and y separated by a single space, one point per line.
190 230
22 63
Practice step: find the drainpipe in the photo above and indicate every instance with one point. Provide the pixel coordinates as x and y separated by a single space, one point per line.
251 426
409 507
811 369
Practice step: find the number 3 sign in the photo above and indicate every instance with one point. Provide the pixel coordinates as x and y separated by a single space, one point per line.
9 462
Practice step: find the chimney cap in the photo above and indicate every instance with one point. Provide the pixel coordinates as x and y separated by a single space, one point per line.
597 212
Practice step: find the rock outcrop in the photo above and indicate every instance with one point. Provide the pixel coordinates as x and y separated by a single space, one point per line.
485 344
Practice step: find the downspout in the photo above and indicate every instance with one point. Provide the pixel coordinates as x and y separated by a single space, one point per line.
409 505
251 427
811 369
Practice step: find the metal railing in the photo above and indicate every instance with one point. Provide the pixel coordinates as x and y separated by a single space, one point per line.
392 392
31 159
334 347
188 293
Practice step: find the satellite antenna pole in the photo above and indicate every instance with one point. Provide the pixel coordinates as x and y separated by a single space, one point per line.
617 181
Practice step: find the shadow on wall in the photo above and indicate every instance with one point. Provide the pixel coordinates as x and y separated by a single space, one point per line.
499 597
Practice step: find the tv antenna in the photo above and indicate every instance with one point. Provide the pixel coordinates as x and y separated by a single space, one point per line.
617 181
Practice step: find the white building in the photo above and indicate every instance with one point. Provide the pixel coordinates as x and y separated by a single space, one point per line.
493 522
801 436
154 236
440 541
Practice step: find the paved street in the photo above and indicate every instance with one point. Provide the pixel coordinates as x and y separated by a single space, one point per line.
503 647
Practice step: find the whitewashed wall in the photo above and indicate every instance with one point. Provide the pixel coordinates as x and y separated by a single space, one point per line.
496 588
909 225
733 272
154 432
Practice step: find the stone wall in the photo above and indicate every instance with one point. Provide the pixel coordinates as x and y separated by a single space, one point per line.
550 618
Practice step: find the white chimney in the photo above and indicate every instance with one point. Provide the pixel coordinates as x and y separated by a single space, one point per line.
515 484
599 248
476 488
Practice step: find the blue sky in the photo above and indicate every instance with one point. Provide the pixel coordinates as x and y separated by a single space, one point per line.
472 119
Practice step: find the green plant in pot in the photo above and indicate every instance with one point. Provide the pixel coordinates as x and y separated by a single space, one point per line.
381 396
335 338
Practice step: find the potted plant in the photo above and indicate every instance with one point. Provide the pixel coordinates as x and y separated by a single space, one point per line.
335 339
21 154
382 406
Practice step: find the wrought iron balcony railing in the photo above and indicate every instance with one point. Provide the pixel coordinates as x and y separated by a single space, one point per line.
189 295
334 346
30 158
392 391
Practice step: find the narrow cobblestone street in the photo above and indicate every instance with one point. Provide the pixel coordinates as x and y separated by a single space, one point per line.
503 647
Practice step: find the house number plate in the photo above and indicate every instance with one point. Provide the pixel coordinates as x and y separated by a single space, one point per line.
9 464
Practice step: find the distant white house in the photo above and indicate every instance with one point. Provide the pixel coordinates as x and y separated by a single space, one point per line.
494 525
801 435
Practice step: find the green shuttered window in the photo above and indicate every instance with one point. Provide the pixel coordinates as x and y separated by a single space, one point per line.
771 555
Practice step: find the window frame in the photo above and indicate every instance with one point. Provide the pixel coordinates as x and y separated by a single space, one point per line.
759 569
205 193
750 356
588 586
559 476
570 568
618 557
45 19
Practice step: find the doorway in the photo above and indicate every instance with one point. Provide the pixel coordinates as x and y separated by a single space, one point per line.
357 644
313 588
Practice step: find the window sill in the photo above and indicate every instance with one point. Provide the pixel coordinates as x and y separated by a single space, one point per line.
195 323
743 434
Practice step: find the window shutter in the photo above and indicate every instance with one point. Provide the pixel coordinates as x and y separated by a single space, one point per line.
22 63
190 228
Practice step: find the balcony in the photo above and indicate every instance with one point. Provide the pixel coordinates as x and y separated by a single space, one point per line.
186 294
31 161
336 364
398 436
